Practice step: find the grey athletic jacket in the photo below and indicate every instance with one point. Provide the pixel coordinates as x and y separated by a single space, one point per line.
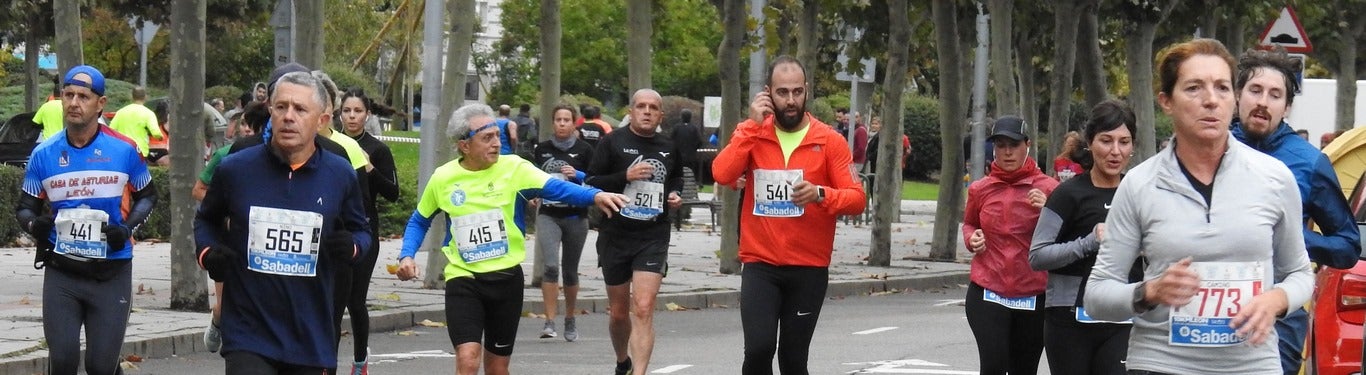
1253 216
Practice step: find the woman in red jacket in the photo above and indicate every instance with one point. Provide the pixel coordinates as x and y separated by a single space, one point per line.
1003 301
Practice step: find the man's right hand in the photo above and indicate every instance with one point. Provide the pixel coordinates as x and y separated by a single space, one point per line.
761 107
40 227
219 261
407 269
978 241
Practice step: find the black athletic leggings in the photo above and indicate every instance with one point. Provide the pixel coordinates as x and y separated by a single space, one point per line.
1008 340
1084 348
71 301
779 307
353 286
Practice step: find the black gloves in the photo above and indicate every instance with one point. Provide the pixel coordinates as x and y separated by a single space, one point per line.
116 236
40 228
219 261
339 245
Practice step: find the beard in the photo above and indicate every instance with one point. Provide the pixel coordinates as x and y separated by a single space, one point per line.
790 123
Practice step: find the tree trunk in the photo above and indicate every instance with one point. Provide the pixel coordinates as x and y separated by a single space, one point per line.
450 97
31 94
1347 82
1209 20
639 27
550 66
1235 36
808 34
308 33
189 289
1139 66
1060 82
1029 100
733 19
68 40
1090 62
944 245
1002 71
887 202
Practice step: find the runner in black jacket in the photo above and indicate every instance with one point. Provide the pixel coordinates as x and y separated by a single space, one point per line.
566 157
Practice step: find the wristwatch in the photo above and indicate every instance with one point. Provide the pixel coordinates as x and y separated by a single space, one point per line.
820 194
1140 303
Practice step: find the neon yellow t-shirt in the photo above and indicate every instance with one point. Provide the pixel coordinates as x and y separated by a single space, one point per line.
481 204
137 122
50 116
790 141
353 150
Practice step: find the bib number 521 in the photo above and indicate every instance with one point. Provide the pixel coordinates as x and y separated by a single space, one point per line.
284 240
645 199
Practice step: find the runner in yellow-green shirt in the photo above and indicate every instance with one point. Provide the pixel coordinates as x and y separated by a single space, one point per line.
482 194
136 121
50 115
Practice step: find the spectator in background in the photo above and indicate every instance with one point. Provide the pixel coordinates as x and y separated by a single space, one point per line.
860 143
507 132
687 138
259 89
593 128
1304 134
526 131
1326 139
1063 165
137 122
217 105
872 152
50 114
842 121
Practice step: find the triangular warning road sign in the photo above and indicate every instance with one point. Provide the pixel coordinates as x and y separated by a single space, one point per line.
1286 31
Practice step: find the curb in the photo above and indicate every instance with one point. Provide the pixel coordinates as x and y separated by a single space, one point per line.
182 343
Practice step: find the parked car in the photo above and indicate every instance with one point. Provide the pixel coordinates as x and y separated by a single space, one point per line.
18 136
1334 345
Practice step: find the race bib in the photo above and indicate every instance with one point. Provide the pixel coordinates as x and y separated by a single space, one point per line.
1018 303
646 200
481 236
283 242
1083 317
1225 287
773 193
78 232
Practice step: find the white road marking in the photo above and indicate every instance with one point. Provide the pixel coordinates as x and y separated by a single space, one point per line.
670 369
949 302
875 330
896 367
415 355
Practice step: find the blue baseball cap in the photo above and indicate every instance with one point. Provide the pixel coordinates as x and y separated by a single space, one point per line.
96 83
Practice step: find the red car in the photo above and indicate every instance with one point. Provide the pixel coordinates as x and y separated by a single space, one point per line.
1335 325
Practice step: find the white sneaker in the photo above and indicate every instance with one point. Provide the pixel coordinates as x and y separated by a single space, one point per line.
549 330
213 338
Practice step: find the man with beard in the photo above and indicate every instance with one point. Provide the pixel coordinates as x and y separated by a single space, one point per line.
633 246
797 170
1266 88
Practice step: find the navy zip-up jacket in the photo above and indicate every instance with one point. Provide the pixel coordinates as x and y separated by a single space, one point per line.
284 318
1340 244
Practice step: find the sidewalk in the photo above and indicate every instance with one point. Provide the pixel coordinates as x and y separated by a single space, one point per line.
693 282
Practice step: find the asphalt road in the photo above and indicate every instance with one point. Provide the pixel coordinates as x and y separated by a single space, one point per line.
920 332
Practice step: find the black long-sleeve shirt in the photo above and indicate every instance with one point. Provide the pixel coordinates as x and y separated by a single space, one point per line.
616 153
550 159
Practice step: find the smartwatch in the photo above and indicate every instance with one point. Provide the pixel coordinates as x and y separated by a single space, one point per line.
820 194
1140 303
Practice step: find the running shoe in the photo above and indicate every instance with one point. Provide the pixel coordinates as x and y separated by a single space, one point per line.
571 329
362 367
549 330
624 368
213 338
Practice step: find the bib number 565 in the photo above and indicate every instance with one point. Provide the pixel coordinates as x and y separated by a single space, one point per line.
284 240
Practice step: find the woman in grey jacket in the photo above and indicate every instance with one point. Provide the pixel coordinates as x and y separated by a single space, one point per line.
1219 224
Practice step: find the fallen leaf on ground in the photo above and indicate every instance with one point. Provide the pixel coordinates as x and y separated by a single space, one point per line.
407 333
676 307
391 268
25 301
133 358
128 366
429 323
389 297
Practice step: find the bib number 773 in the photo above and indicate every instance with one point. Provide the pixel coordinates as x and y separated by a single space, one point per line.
1225 288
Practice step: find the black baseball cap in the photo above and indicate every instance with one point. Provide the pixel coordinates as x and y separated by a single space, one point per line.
1012 127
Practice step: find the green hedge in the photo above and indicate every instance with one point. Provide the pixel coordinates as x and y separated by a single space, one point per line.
11 179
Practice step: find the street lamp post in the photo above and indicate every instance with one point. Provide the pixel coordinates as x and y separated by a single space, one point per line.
142 35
